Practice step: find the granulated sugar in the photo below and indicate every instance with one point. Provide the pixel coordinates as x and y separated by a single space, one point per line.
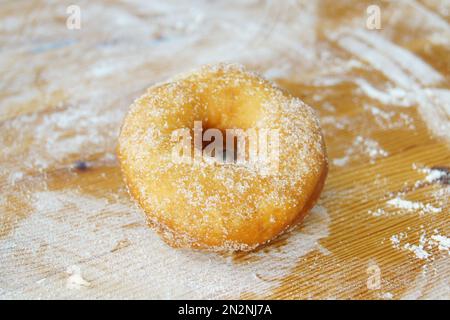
362 145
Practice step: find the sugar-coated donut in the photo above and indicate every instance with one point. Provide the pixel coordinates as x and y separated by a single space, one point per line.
213 205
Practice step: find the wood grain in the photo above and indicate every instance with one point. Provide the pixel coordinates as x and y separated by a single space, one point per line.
64 210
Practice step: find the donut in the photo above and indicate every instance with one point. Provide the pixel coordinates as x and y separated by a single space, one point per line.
227 205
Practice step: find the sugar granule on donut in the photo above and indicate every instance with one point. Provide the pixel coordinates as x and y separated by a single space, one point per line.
221 206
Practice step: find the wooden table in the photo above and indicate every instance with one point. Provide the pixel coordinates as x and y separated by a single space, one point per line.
68 229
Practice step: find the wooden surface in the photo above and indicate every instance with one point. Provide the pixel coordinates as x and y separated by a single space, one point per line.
68 229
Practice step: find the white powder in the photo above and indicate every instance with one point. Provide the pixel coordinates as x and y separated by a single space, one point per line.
418 250
362 145
80 111
410 74
340 162
387 296
411 206
75 279
434 175
93 247
443 242
392 119
426 248
397 238
395 241
377 213
14 177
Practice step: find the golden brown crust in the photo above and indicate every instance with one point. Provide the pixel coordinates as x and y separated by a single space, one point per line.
221 207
